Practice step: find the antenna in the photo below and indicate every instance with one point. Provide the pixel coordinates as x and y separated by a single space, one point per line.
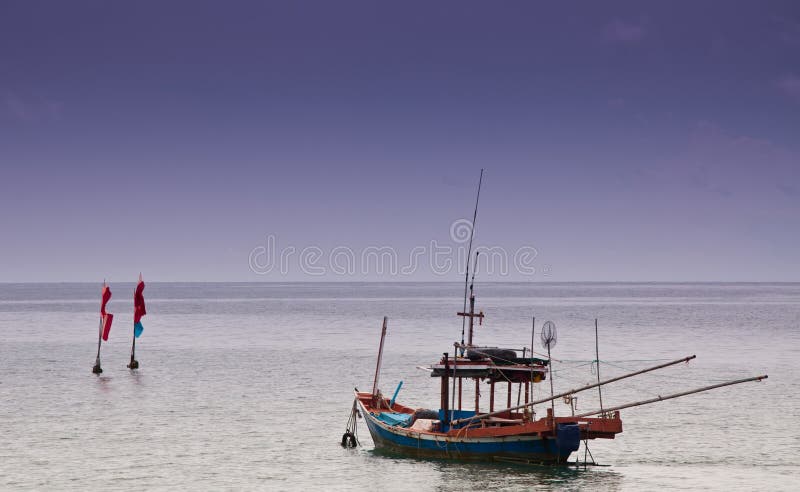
469 255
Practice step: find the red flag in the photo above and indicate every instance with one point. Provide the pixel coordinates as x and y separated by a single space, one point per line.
106 296
138 301
107 317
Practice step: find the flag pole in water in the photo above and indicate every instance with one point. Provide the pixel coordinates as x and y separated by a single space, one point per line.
138 311
97 369
133 364
104 327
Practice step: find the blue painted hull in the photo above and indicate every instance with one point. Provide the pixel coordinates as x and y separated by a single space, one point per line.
523 447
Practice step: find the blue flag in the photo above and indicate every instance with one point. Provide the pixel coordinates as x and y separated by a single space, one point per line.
137 329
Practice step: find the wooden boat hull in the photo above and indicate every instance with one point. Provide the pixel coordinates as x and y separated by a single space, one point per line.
535 448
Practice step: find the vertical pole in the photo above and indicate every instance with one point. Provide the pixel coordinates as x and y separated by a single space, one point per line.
471 312
533 331
552 401
597 361
99 339
477 395
97 369
527 395
455 361
378 364
491 396
469 254
133 334
133 364
459 393
527 398
445 388
508 400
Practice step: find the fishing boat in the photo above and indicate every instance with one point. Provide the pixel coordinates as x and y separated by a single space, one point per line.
453 431
527 432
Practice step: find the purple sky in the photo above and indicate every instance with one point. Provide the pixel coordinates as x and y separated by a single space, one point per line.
621 140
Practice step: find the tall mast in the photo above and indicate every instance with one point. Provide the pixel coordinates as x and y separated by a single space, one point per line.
469 255
378 364
472 300
471 313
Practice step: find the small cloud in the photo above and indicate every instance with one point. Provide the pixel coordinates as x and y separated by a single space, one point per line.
624 32
790 86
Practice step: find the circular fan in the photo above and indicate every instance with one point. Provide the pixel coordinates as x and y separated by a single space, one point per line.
549 336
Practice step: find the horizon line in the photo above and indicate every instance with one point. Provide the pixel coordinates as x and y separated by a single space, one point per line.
411 282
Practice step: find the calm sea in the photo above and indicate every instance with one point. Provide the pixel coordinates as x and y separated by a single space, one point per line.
249 386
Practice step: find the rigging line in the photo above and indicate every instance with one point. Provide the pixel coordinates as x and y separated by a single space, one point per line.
545 355
572 376
469 255
569 368
575 379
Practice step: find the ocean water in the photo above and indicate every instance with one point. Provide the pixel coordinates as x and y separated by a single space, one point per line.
249 386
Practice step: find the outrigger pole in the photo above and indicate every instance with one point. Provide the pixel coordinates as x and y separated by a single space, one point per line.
570 392
675 395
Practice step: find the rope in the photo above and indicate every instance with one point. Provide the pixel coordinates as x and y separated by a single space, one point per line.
350 436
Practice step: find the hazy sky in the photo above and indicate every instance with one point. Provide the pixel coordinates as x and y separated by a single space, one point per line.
621 140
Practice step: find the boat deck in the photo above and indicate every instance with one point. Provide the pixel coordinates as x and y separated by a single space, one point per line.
510 424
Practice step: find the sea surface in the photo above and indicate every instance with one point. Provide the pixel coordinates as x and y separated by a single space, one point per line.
249 385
